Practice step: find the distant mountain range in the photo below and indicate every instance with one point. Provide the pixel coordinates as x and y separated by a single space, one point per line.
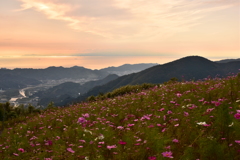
21 77
187 68
128 68
228 60
56 73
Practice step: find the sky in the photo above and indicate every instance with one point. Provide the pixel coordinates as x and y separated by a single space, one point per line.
101 33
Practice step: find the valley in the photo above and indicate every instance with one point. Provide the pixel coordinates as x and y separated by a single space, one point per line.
25 95
39 87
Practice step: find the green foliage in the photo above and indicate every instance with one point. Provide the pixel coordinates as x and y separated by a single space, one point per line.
91 99
122 91
2 112
50 105
30 108
7 111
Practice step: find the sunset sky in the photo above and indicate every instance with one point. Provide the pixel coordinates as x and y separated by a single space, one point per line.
100 33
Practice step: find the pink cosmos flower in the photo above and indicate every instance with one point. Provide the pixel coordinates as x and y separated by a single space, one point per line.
122 142
21 149
129 125
237 141
152 158
15 154
217 103
112 146
137 144
169 112
48 143
82 141
179 94
146 117
70 150
167 154
162 109
120 127
139 140
175 141
151 126
164 129
210 109
237 115
86 115
81 120
206 125
32 144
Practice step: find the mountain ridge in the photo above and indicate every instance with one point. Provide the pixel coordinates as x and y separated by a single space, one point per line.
186 68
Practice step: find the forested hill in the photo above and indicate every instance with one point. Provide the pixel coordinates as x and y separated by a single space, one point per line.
187 68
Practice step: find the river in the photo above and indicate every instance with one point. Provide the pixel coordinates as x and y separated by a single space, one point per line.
22 92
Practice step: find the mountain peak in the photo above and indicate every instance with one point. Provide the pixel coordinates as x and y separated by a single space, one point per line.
195 58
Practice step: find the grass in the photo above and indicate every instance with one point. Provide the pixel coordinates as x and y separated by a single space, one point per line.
178 120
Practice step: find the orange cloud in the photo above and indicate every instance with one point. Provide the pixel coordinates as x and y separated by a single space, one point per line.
128 18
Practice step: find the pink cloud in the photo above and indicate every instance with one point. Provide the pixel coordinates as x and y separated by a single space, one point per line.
128 18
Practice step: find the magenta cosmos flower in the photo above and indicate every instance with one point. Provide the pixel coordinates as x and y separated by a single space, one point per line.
237 115
81 120
152 158
122 142
48 143
21 149
167 154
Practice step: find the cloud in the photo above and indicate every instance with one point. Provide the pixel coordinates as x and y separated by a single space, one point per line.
128 18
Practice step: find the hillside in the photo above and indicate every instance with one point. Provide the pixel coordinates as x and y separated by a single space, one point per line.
68 90
190 120
11 81
187 68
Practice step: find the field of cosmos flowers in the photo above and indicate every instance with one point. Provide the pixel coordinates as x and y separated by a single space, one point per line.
194 120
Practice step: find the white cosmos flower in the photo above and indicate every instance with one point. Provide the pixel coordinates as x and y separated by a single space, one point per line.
201 123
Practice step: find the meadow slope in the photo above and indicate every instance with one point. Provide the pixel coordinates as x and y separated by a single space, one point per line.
194 120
